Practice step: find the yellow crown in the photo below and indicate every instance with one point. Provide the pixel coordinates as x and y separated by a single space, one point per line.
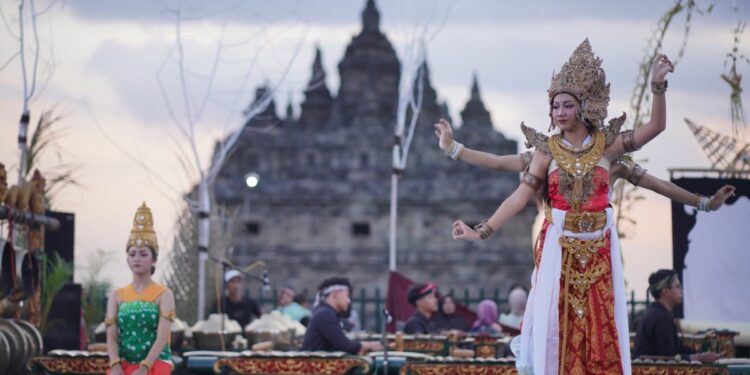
584 77
143 233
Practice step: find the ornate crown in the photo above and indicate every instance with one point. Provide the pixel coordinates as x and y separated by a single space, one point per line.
583 77
143 233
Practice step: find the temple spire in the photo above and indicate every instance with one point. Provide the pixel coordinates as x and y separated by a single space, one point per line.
268 115
318 77
475 89
475 114
370 18
317 68
316 108
289 110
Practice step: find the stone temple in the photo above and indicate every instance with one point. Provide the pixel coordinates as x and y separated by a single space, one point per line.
322 205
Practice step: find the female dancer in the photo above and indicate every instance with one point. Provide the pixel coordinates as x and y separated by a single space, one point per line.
576 318
139 315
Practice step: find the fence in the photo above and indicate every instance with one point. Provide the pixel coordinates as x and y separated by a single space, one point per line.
370 304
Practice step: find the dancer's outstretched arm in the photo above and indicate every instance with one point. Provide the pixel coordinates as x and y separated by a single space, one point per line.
444 132
630 141
680 195
638 176
530 183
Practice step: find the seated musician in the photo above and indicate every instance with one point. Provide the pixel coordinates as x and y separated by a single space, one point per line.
657 333
422 297
324 332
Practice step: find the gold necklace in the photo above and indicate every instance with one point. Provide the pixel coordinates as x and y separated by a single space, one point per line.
575 149
577 166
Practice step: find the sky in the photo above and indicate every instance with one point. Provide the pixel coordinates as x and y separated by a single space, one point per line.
111 68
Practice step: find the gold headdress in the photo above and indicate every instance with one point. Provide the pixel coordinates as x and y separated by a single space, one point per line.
143 233
583 77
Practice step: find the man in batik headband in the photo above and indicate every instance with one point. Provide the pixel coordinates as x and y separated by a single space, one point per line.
657 333
324 332
422 296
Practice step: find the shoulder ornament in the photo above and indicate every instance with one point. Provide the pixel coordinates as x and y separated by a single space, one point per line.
535 139
613 129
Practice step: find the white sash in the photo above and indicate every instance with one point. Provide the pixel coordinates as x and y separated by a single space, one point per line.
537 348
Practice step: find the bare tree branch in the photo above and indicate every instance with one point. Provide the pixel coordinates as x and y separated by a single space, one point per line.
186 121
640 96
7 24
35 33
409 104
135 159
23 57
10 59
228 147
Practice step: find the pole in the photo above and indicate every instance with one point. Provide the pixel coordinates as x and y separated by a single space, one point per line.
203 226
23 129
384 340
394 208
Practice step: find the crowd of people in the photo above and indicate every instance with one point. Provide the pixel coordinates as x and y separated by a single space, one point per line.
139 315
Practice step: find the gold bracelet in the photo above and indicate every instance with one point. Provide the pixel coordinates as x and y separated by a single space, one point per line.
145 364
533 181
170 315
114 362
110 321
484 230
659 88
628 141
635 176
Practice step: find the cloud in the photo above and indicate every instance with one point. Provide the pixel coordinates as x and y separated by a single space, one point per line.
155 11
130 71
392 12
248 57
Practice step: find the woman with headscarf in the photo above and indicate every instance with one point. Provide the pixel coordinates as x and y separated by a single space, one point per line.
448 318
511 322
486 318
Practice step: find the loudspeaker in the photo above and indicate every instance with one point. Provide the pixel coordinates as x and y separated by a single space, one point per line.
61 241
64 320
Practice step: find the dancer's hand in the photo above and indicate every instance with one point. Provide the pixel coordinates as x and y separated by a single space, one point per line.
660 67
461 231
444 132
116 370
721 196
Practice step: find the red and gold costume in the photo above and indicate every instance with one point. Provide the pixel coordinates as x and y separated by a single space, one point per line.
576 317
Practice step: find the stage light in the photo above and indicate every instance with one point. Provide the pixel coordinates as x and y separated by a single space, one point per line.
252 179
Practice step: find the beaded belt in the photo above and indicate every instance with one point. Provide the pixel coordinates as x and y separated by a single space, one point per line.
582 252
581 222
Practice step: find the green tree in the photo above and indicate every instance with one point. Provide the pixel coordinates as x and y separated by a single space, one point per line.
95 291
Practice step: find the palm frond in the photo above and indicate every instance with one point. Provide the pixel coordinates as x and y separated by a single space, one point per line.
45 138
56 273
